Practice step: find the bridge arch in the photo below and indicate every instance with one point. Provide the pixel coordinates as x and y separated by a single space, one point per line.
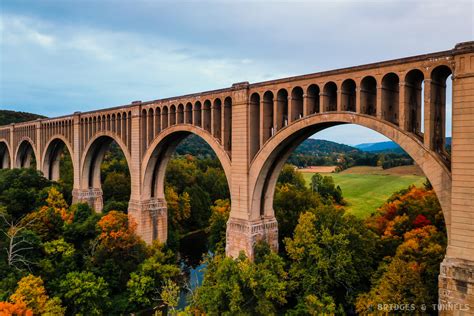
91 160
25 153
52 156
5 156
267 164
159 152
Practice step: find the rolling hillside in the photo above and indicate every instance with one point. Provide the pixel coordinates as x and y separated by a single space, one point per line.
8 117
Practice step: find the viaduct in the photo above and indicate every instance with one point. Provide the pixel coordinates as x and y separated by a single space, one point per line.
253 128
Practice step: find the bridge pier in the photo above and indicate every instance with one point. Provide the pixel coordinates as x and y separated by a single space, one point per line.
91 196
456 286
242 235
151 218
456 279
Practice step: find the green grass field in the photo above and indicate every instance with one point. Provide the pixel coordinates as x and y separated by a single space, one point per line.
367 188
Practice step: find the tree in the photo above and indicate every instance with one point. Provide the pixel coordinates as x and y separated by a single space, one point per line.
116 187
59 259
16 309
20 242
116 241
170 295
220 213
290 175
84 293
239 286
410 276
32 293
145 284
288 203
330 255
21 190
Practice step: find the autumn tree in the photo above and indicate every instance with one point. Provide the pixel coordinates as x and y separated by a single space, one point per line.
220 213
31 292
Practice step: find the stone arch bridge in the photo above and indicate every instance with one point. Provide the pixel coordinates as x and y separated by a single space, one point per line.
253 128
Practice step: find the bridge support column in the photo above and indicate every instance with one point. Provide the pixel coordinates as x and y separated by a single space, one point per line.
456 286
245 227
242 235
151 218
92 196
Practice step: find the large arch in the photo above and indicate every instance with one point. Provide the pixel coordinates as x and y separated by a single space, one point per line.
159 153
269 161
24 153
52 156
5 156
92 159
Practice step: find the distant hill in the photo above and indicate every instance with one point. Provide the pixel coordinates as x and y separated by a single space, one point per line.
8 117
319 146
387 146
380 146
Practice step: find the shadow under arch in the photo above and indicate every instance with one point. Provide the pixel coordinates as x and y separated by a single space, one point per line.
25 153
267 164
5 156
160 151
93 155
52 156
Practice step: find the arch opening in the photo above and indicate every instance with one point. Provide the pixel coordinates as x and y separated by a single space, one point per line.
414 82
206 116
296 104
348 95
4 156
106 174
268 163
254 125
290 196
180 165
197 115
439 99
330 97
216 119
268 129
157 120
390 98
58 165
312 96
282 109
227 141
368 96
164 117
172 115
25 156
180 114
188 114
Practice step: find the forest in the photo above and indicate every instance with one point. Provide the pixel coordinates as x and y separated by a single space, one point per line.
68 259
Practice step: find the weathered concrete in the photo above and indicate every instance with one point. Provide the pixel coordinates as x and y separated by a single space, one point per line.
254 127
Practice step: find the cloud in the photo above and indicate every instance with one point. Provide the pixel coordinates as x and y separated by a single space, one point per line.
60 57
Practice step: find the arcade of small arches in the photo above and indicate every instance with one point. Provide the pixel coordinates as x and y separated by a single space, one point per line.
253 128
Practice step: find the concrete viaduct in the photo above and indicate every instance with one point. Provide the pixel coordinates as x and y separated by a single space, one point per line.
253 128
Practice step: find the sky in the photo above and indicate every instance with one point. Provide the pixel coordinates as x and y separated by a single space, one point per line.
62 56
